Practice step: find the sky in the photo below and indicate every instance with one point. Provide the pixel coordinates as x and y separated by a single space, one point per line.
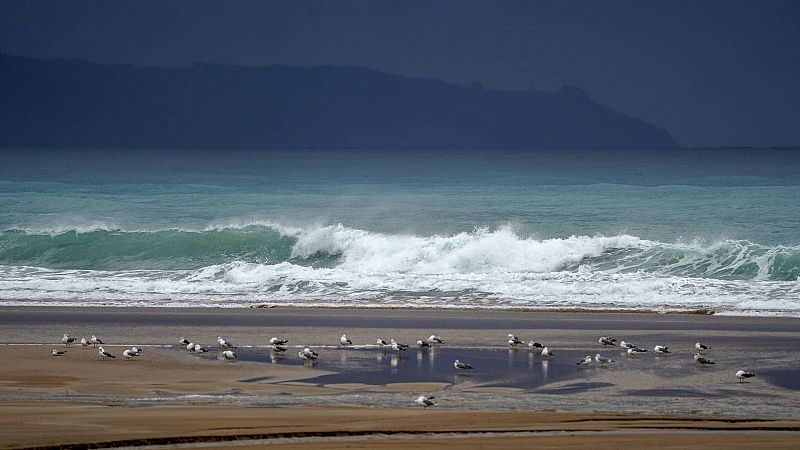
712 73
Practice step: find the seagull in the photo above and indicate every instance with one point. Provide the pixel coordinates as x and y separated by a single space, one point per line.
103 353
84 342
461 365
513 340
398 347
435 340
702 359
624 344
95 340
607 340
381 343
740 375
278 341
602 359
701 348
423 344
129 354
196 348
660 349
190 346
308 354
229 355
67 339
222 343
136 350
587 361
532 344
278 349
183 341
546 353
345 341
425 401
64 352
633 351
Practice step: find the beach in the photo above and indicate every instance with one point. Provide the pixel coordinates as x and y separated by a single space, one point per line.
363 396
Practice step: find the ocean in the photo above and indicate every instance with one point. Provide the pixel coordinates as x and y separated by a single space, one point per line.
656 230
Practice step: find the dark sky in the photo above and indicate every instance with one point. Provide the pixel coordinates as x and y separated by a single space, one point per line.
713 73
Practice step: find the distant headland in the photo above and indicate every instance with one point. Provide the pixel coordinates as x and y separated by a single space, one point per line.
76 103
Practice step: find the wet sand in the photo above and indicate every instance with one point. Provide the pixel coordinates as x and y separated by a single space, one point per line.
363 397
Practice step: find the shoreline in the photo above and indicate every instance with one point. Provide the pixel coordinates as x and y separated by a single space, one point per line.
357 396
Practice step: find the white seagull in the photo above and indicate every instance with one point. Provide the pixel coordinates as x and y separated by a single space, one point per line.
433 339
740 375
423 344
532 344
278 341
129 354
633 351
190 346
197 348
95 340
136 350
587 361
702 359
381 343
397 346
513 340
546 353
278 349
64 352
607 340
84 342
223 343
425 401
602 359
67 339
308 354
701 348
344 341
105 354
229 355
661 350
624 344
461 365
183 341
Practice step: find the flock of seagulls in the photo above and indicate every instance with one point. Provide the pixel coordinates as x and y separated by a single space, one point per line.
278 345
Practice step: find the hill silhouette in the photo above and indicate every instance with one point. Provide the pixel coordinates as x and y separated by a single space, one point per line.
76 103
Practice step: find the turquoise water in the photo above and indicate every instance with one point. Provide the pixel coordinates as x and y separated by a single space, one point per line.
663 230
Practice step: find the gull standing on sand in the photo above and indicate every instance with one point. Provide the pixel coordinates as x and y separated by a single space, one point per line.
84 342
67 339
136 350
381 343
344 341
546 353
129 354
701 348
105 354
661 350
587 361
602 360
223 343
461 365
425 401
433 339
95 340
64 352
229 355
183 341
278 341
514 341
702 359
742 375
607 340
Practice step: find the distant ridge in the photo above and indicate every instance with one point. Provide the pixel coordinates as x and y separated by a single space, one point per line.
76 103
